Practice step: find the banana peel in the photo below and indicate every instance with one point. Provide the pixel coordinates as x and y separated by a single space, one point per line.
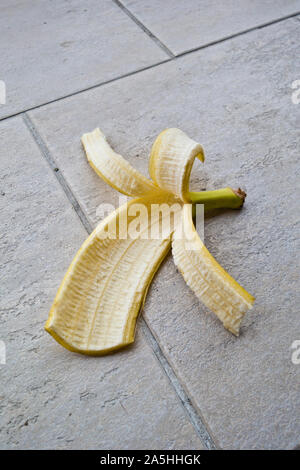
96 307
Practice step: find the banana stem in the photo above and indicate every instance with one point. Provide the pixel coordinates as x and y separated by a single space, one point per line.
225 198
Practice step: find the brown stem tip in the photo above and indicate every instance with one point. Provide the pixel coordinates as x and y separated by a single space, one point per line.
240 193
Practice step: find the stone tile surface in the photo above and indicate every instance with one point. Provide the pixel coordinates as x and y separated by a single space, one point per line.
235 98
49 397
52 48
182 26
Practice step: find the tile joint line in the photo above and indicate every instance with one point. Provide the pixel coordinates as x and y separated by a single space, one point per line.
194 417
51 162
235 35
144 28
92 87
148 67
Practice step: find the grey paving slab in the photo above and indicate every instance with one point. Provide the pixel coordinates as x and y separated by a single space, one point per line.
49 397
51 49
182 26
235 98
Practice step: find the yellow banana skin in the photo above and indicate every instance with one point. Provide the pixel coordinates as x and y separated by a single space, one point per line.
113 168
96 307
171 160
209 281
97 304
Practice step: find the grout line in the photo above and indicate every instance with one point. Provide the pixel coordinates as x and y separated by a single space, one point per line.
232 36
144 28
148 67
92 87
46 154
195 419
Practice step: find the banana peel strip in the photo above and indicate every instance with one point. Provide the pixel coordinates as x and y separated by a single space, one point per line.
113 168
97 304
209 281
171 160
96 307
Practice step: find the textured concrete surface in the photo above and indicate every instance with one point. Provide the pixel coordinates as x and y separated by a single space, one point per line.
182 26
235 98
49 397
53 48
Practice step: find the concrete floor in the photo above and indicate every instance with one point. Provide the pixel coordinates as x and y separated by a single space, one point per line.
224 75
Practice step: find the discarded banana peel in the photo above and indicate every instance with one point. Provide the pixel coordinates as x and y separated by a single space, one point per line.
97 304
171 160
113 168
210 282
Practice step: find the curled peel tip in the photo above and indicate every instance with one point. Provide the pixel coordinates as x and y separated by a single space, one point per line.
201 156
